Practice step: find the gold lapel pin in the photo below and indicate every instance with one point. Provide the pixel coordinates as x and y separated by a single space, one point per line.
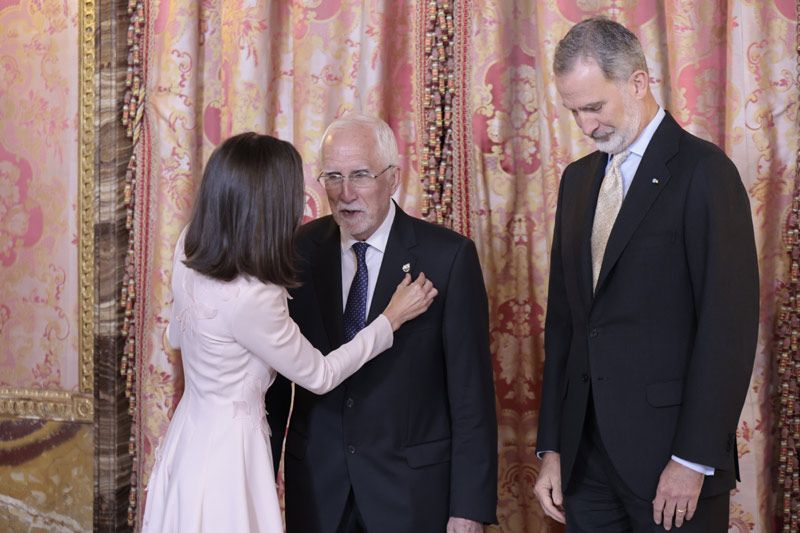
655 181
407 268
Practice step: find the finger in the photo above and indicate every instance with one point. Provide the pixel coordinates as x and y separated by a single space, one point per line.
691 508
420 279
543 494
426 304
554 512
669 513
558 502
558 497
680 513
658 508
548 492
405 281
427 286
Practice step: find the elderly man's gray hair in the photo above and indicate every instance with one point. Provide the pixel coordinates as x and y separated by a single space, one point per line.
385 141
614 48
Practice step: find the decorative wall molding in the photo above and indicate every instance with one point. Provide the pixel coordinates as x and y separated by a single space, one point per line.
86 143
46 404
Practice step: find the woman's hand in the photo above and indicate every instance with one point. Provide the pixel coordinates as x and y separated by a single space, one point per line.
410 299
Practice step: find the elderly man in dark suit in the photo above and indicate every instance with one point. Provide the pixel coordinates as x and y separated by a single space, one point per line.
652 310
408 443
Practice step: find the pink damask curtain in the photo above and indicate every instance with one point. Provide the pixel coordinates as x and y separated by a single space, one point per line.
725 70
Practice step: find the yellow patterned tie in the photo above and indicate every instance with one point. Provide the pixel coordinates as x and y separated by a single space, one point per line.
609 202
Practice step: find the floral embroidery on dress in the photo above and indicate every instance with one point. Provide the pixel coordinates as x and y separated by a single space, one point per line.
193 309
250 407
200 289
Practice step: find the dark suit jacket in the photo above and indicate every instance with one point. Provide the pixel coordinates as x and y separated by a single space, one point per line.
413 432
666 344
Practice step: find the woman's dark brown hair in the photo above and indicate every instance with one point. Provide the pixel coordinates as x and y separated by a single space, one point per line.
247 210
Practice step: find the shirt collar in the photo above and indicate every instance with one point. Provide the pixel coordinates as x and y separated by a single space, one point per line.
379 237
640 144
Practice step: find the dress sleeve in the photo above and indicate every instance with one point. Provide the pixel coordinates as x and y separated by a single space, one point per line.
261 323
178 271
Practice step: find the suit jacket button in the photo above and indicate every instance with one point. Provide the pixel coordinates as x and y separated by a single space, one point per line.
349 402
593 333
585 378
351 449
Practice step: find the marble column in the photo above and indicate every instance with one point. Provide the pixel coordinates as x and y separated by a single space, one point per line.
112 422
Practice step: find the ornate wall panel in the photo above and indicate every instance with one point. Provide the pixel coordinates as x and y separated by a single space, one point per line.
46 263
46 189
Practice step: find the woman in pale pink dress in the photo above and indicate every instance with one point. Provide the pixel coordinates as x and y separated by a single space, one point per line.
213 470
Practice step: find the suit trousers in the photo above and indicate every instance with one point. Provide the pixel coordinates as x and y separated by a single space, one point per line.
597 500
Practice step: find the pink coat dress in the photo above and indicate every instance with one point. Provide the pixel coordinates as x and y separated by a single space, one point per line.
213 469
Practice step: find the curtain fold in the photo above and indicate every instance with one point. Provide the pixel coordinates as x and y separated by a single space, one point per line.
726 70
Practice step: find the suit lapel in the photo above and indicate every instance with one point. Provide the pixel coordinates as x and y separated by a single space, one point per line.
585 206
327 269
398 253
650 179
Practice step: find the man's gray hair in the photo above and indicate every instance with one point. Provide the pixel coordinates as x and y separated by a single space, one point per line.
385 141
614 48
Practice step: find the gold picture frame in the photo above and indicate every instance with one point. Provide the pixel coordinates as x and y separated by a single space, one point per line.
65 405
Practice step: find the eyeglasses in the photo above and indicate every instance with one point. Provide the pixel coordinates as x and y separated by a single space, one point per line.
358 178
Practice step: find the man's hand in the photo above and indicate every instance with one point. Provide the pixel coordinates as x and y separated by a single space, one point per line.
676 495
548 487
462 525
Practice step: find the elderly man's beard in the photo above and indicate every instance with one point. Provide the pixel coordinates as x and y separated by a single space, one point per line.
622 137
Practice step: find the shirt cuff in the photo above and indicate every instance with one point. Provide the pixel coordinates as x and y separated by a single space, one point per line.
703 469
540 454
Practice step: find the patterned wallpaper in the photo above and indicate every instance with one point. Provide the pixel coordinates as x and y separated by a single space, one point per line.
46 466
38 195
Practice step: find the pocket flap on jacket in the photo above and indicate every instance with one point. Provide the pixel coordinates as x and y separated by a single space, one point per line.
665 394
296 445
428 453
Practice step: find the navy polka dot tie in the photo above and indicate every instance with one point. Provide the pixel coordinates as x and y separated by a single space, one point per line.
355 311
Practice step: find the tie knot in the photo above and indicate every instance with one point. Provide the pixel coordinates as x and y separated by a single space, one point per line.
360 248
619 158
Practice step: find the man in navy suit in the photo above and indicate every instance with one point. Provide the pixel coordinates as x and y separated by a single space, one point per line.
652 311
409 442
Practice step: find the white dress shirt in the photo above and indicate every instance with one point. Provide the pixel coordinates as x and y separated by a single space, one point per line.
374 257
636 149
